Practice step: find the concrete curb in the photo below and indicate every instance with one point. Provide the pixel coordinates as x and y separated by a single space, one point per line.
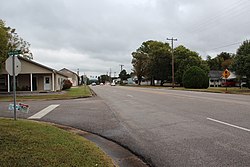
120 156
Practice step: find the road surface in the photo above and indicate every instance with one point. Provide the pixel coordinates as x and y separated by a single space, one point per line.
182 128
165 127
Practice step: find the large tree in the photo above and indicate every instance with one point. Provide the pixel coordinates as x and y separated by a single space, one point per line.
184 59
242 60
153 59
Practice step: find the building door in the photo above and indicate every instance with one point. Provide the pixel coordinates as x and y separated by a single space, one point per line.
34 83
47 83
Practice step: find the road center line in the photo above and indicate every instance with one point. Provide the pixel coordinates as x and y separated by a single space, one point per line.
43 112
235 126
129 95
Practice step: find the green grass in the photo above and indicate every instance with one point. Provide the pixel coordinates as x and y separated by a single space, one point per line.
230 90
74 92
28 143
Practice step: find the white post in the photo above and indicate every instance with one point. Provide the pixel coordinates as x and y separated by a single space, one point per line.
31 82
8 83
53 81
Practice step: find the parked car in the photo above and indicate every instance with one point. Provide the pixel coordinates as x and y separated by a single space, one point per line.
228 83
93 84
112 84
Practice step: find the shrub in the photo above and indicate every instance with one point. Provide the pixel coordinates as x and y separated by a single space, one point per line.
196 78
66 84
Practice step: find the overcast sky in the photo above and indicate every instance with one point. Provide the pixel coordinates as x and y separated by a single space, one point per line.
96 35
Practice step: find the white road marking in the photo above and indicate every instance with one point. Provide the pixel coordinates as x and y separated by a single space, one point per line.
129 95
43 112
235 126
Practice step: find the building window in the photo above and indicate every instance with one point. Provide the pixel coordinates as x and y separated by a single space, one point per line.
47 80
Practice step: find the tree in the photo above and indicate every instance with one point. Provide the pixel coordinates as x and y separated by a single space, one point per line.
139 63
195 77
123 75
3 43
184 59
104 78
221 62
155 58
242 61
9 40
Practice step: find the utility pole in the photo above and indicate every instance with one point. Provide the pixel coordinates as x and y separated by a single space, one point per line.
172 46
120 73
121 66
110 75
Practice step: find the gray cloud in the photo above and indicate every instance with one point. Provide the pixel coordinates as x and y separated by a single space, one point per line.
97 35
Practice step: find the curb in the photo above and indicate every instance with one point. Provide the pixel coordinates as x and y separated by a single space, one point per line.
120 156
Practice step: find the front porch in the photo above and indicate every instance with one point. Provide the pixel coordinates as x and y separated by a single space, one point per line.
28 82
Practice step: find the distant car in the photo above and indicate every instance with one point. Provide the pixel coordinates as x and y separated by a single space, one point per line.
93 84
112 84
101 84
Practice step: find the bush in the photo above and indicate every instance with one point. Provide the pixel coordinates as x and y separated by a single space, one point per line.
196 78
66 84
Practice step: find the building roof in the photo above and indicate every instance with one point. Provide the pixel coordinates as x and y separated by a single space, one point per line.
65 69
216 75
40 65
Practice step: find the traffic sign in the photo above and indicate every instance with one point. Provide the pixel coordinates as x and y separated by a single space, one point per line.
14 52
9 65
226 73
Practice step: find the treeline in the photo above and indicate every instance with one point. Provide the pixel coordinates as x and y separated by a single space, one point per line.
152 61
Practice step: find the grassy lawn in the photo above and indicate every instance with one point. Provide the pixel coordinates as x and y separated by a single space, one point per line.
28 143
230 90
74 92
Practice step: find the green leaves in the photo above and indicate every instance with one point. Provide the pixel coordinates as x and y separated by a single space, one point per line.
242 59
152 60
184 59
3 43
9 40
195 77
221 62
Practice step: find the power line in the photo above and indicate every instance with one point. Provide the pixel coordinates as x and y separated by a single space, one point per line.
236 43
233 10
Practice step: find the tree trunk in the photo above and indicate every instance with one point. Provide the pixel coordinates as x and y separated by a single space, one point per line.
162 82
152 82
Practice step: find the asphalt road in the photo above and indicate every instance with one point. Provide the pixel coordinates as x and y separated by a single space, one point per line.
165 127
181 128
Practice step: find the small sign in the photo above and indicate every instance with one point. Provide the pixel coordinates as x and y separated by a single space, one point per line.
14 52
20 107
226 74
